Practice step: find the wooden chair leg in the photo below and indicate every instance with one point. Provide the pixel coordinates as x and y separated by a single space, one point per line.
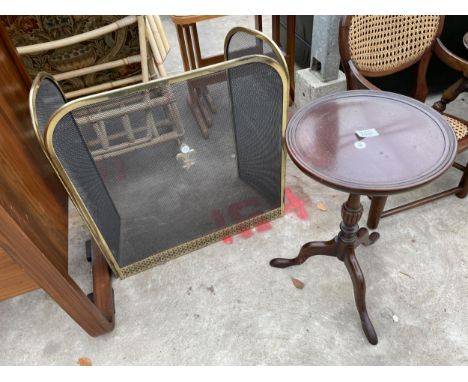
375 211
463 184
451 93
291 53
290 46
275 26
258 23
57 283
183 47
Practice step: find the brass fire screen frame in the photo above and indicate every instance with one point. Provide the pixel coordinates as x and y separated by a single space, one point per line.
261 37
171 253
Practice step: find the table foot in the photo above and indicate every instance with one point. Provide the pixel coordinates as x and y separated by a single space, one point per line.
326 248
365 238
359 286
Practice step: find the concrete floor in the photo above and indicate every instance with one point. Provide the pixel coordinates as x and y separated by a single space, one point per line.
223 305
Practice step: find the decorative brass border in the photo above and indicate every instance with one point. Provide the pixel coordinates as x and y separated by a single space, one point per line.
182 249
101 97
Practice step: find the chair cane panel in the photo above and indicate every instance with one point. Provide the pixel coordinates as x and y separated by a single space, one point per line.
386 43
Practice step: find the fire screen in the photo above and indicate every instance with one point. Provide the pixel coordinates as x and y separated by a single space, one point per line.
147 182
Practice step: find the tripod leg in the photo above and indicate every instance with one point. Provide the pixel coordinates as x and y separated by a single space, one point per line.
326 248
359 286
364 238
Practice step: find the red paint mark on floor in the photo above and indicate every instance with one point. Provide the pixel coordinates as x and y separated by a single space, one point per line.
237 213
219 220
264 227
293 203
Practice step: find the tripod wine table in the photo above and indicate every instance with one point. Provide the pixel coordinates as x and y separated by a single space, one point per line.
365 142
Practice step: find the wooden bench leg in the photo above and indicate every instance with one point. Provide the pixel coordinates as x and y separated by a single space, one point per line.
103 294
94 319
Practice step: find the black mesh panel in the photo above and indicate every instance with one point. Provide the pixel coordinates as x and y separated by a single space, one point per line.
257 106
48 99
254 112
81 169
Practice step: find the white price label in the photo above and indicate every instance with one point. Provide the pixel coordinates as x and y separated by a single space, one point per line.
367 133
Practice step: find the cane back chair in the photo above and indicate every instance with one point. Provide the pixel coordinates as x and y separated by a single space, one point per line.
159 202
378 46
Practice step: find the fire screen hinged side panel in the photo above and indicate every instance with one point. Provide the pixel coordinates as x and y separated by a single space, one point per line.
149 185
240 42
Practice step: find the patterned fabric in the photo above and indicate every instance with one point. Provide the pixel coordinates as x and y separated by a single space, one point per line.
459 128
30 30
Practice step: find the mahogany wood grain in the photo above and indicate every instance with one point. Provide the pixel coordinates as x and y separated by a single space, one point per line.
411 148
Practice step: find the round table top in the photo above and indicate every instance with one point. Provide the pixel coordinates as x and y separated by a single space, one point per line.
370 142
